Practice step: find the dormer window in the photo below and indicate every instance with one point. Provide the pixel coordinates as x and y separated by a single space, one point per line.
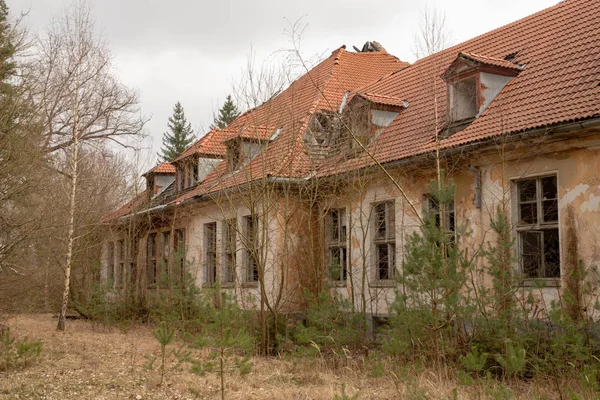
463 99
247 144
474 81
367 116
234 156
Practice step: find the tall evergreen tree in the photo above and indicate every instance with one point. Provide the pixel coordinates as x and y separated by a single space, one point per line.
179 136
226 115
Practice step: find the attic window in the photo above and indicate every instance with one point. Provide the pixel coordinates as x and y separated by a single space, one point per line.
234 155
463 99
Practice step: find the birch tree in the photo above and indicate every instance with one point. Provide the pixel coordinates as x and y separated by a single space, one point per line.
81 102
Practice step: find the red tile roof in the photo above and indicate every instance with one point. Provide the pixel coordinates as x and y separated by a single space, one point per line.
497 62
162 168
321 88
208 145
383 100
139 202
559 82
260 133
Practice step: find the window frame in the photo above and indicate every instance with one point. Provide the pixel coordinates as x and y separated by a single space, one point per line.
229 250
179 260
539 226
120 264
388 239
151 259
210 253
250 230
110 265
339 244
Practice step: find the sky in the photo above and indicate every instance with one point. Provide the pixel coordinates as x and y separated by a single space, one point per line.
194 51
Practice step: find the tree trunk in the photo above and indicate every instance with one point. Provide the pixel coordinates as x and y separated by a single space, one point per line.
65 300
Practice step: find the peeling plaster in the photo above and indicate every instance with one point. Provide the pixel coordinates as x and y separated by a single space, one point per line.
569 196
591 205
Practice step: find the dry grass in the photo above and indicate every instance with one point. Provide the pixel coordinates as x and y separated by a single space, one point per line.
90 361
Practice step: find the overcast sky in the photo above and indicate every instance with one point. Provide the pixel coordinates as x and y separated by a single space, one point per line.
191 51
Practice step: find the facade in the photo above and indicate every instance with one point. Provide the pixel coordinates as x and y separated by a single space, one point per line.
324 182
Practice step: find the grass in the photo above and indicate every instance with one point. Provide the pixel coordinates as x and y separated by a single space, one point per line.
91 361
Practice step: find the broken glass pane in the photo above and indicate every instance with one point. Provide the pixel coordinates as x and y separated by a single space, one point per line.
550 209
551 254
531 253
528 213
527 190
383 262
549 190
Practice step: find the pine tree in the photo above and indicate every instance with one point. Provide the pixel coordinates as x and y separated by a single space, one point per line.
227 114
179 136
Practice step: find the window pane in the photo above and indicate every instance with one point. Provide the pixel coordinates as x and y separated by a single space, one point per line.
335 233
531 253
550 210
551 254
382 261
527 190
344 263
549 189
380 221
528 213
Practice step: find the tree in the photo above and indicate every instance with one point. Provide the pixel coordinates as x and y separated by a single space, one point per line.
179 137
227 114
80 105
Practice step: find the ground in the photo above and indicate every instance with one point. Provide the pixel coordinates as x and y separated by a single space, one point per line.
92 361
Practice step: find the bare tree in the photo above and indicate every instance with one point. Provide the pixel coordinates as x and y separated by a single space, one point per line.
433 34
80 101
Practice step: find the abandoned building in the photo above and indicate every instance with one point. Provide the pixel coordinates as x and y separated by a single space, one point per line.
323 182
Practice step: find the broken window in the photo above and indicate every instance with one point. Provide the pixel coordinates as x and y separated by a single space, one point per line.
165 254
120 271
210 253
433 207
384 239
110 262
179 257
358 122
229 249
234 155
337 239
251 248
151 270
463 99
537 227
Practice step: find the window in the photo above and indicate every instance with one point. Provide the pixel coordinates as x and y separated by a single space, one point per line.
336 237
210 253
384 239
151 270
120 272
537 227
131 255
195 173
463 99
179 179
359 123
165 253
110 264
234 154
229 248
434 208
179 257
251 248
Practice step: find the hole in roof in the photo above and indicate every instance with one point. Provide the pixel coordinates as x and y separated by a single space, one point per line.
511 56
